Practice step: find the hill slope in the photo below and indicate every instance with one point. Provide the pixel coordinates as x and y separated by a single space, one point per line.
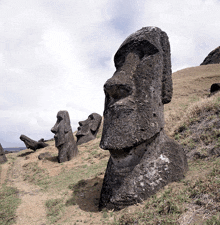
68 193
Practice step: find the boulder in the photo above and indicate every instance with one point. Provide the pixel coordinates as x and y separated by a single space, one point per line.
44 155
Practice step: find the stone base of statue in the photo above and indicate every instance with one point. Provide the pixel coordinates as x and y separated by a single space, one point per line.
141 172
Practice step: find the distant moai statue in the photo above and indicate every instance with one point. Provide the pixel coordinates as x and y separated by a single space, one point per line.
31 144
3 158
88 128
142 158
64 139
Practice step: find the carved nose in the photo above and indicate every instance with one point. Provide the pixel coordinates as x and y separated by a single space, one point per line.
53 130
117 90
81 123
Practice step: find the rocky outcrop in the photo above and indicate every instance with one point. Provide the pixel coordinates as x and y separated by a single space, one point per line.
213 57
142 158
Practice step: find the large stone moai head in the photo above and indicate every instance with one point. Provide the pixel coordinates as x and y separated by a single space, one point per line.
64 139
142 158
137 91
88 128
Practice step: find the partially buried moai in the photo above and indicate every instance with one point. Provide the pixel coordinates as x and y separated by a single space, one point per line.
88 128
64 140
143 159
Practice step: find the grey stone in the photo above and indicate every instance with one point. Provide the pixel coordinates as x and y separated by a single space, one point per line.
143 159
64 140
44 155
213 57
31 144
3 158
88 128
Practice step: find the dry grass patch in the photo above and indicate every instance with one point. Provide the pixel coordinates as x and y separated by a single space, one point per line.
9 202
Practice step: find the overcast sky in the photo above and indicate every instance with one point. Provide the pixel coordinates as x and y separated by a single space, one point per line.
57 54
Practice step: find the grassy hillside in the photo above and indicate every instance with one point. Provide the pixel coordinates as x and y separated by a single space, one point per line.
46 192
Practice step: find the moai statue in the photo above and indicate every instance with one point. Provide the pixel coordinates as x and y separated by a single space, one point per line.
31 144
88 128
142 158
2 155
64 139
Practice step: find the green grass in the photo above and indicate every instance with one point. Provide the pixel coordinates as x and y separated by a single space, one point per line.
73 176
39 176
55 209
36 175
9 202
214 220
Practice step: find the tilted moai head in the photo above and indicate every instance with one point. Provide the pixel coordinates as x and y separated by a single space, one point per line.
137 91
64 139
88 128
32 144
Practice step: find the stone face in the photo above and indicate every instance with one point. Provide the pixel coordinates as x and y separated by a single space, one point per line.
138 89
143 159
64 140
31 144
88 128
213 57
2 155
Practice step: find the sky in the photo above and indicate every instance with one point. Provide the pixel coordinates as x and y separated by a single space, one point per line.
57 54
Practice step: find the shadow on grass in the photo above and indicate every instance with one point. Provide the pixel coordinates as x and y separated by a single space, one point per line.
86 194
26 153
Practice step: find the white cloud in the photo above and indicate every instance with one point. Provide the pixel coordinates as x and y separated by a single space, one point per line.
56 55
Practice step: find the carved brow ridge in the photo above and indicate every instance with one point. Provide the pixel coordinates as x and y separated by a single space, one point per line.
141 48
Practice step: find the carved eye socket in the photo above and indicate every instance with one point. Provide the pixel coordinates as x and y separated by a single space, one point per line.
59 118
117 91
141 48
91 117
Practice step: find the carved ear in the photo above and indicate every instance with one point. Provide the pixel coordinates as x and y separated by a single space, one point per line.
95 125
167 85
67 128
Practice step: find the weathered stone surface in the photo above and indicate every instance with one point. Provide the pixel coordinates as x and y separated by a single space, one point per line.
143 159
31 144
214 88
64 140
2 155
213 57
44 155
88 128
